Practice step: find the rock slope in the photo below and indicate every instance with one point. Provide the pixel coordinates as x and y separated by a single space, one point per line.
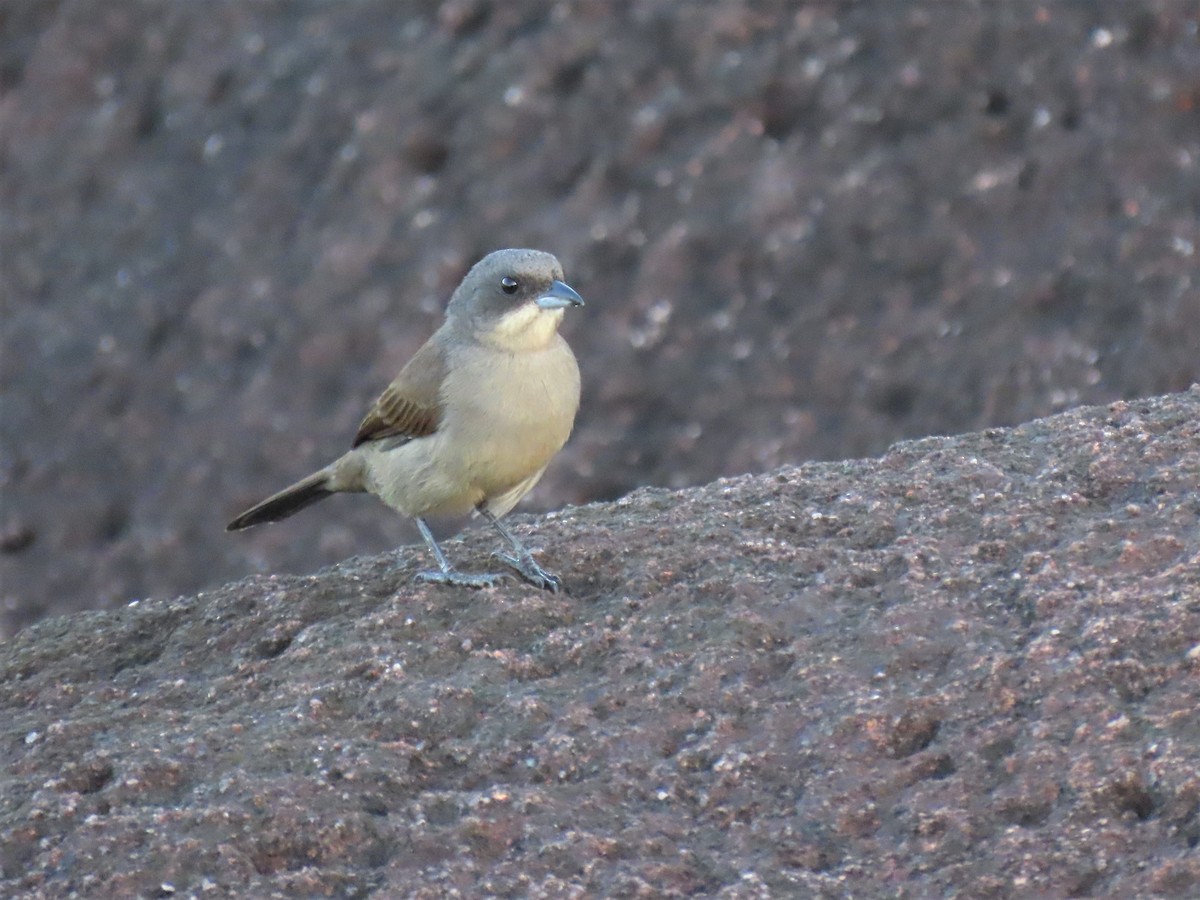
968 668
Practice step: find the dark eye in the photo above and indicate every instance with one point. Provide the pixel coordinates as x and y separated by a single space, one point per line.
509 285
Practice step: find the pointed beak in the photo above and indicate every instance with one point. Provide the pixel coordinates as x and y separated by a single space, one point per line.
560 296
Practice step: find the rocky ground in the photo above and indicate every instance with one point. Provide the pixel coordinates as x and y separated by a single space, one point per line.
969 668
804 231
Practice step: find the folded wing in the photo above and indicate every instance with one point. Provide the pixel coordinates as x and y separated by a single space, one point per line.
411 405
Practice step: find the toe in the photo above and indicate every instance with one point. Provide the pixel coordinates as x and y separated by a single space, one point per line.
543 579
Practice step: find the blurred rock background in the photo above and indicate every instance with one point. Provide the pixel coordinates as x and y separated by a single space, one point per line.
803 231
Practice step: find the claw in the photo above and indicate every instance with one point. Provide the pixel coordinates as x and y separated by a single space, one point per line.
528 569
520 559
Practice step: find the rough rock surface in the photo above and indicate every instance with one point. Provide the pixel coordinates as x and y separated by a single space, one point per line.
804 231
970 668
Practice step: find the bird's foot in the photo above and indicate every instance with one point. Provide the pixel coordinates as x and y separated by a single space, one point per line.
526 566
460 579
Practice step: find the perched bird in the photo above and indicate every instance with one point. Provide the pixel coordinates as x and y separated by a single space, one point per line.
472 420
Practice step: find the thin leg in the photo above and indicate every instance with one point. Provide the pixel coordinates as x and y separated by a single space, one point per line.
520 559
447 574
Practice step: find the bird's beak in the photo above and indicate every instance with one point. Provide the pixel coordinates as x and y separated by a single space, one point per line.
560 296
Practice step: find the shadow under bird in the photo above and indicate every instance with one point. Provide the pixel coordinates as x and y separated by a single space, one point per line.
472 420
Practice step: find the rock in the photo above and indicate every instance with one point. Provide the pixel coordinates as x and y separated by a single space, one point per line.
966 668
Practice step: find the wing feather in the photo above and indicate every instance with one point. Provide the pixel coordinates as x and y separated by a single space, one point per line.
411 405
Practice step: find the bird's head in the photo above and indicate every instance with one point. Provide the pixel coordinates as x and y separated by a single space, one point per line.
513 299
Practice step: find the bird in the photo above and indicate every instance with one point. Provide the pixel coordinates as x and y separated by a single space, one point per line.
472 420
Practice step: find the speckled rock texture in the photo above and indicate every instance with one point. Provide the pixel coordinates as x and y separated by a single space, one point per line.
804 231
969 668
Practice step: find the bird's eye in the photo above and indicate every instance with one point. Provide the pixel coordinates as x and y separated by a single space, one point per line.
509 285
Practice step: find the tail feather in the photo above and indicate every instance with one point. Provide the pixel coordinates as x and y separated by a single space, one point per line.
287 502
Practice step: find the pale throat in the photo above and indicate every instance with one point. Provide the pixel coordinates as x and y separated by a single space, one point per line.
528 327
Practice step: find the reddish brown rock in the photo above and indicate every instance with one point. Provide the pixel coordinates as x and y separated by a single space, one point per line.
967 668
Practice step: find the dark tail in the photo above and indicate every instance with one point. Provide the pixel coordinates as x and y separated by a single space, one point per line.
287 502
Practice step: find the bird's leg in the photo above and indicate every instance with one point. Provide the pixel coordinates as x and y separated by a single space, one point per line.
447 574
520 559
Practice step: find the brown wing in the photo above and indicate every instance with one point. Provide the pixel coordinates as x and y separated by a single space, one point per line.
410 407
